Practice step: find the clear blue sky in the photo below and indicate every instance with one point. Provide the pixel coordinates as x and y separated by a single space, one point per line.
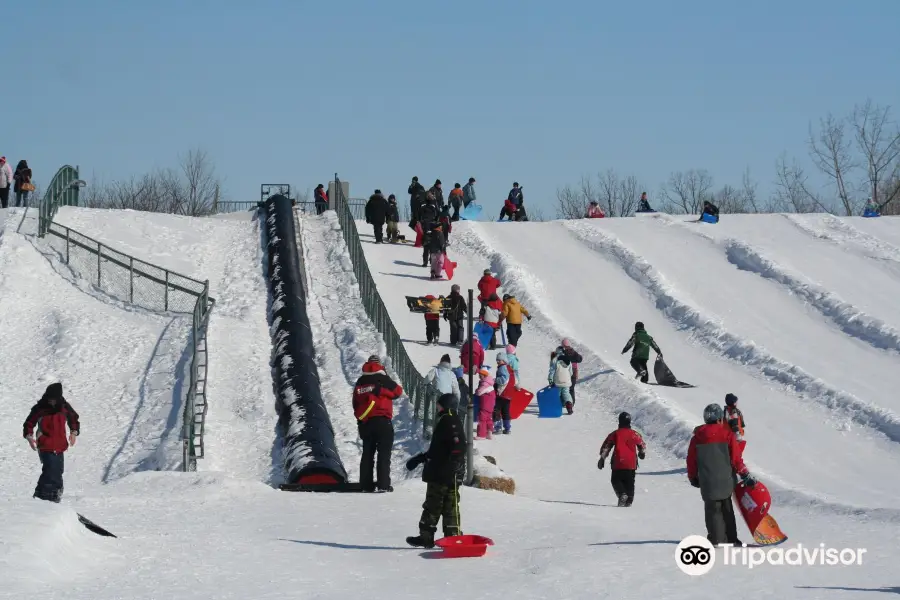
534 91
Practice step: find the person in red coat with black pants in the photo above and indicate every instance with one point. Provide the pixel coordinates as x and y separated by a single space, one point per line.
373 406
627 447
50 416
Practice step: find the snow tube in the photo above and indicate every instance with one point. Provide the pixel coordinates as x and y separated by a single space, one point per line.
549 406
754 505
471 212
708 218
310 454
871 213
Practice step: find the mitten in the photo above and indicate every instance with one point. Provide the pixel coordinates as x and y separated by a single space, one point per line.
695 482
414 462
641 454
600 463
748 480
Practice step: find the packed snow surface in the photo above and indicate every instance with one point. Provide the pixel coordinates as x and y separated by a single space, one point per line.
792 314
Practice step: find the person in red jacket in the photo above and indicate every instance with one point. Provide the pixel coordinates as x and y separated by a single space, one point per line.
492 315
713 459
373 406
487 286
50 416
627 446
477 355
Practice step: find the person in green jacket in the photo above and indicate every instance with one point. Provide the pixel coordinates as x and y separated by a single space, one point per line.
641 342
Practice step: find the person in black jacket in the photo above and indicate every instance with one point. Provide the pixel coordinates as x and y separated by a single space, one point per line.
445 464
393 219
428 217
456 316
376 214
568 354
436 248
438 192
710 209
22 178
416 193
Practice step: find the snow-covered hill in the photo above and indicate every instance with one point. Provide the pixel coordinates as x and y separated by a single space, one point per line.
789 313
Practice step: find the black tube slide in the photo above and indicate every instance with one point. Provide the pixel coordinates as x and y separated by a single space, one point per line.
310 455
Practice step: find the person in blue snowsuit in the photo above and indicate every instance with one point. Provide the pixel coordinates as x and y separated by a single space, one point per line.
502 422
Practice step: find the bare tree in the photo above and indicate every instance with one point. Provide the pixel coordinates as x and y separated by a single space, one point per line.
570 203
200 187
878 140
536 214
830 150
686 191
792 194
630 190
748 192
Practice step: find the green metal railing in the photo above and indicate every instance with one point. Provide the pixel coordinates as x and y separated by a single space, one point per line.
140 283
423 396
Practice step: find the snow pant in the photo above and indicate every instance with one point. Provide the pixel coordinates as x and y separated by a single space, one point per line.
22 198
505 213
721 527
457 331
425 253
565 395
321 207
485 416
378 227
572 389
50 483
4 197
432 330
504 420
377 436
441 502
455 204
623 484
437 264
640 366
513 333
493 344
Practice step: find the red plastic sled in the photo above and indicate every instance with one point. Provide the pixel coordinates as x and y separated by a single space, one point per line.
420 235
754 504
449 267
519 401
464 546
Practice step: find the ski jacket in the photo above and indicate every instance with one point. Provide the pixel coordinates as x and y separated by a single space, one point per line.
435 305
714 456
513 311
456 196
477 355
444 380
513 362
735 419
50 422
6 175
569 355
321 196
436 242
510 206
22 175
503 380
468 194
428 214
374 393
465 394
393 213
493 312
488 285
595 212
515 196
446 226
560 373
642 343
376 209
446 456
626 446
644 206
416 193
711 209
438 194
458 308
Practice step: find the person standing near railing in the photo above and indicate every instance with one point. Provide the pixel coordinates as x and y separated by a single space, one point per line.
321 198
23 185
376 213
373 406
6 182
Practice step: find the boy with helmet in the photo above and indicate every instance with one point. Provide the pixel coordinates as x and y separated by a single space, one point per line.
642 342
714 457
627 446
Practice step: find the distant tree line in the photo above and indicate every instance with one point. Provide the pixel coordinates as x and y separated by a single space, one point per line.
859 155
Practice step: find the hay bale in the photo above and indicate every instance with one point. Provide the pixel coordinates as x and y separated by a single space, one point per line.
501 484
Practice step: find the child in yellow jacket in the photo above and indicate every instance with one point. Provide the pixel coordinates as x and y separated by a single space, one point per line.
512 314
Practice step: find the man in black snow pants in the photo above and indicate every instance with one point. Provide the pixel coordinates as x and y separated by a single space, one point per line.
445 465
373 407
376 213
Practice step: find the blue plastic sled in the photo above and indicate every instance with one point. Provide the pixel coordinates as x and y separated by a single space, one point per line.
471 212
708 218
871 213
484 333
549 406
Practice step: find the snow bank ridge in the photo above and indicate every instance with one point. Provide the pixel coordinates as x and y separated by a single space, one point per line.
835 230
731 346
665 425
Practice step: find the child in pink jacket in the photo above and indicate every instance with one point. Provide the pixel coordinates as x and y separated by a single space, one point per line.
487 397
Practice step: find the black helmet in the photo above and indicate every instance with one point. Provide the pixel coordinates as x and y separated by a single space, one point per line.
624 419
713 413
638 326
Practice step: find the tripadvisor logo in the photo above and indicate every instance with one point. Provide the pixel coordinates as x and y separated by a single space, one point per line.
696 556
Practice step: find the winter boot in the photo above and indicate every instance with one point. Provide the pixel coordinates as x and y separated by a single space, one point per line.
628 501
569 408
623 499
507 427
382 490
421 541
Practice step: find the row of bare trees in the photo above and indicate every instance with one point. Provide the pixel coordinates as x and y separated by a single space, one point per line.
191 189
859 156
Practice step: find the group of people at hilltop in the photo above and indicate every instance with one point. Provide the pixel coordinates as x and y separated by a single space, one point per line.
18 181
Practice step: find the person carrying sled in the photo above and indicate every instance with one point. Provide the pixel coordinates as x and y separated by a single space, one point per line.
713 459
416 193
477 352
445 222
734 417
493 316
373 406
504 383
560 376
456 200
641 342
568 353
512 314
594 211
486 394
469 193
512 361
376 214
436 248
433 319
444 380
393 220
428 219
321 199
445 467
456 315
50 416
627 446
710 209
